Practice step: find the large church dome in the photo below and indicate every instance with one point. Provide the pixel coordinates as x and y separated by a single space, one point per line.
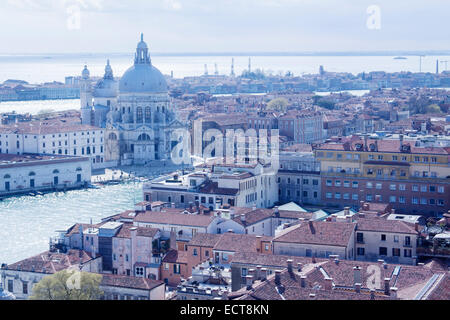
142 77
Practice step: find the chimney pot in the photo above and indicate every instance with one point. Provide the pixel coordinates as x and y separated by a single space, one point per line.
299 266
289 265
372 294
386 286
394 292
328 283
358 287
277 277
303 281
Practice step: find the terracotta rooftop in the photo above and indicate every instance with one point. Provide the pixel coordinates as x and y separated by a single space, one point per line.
318 232
115 280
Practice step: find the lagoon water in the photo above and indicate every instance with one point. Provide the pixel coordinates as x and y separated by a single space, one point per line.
52 67
27 222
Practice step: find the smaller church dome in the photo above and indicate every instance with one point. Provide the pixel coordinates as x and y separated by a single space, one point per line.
107 86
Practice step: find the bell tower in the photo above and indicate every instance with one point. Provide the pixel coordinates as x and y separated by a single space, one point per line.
86 97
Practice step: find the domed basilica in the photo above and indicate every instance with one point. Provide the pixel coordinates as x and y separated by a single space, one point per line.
136 111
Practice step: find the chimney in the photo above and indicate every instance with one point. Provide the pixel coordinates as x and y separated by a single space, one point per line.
299 267
303 281
276 211
386 286
347 211
384 265
311 227
230 231
277 277
392 211
254 208
263 274
251 272
401 141
336 261
357 275
357 287
173 240
258 272
243 217
289 265
394 292
313 260
312 295
328 283
249 281
372 294
225 295
172 205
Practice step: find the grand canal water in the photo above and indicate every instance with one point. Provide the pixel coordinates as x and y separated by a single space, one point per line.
27 223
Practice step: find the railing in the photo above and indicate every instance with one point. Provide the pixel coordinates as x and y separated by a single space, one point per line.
430 251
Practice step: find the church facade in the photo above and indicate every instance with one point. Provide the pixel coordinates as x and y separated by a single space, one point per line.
135 111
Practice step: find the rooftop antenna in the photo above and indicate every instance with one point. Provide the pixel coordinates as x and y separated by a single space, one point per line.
232 67
420 62
206 69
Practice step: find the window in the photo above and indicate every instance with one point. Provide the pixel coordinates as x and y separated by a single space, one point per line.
337 183
329 183
176 269
194 252
25 287
393 187
354 196
329 195
396 252
369 185
415 200
383 251
423 188
360 237
401 199
139 271
10 286
392 199
360 251
408 241
355 184
383 237
395 238
347 184
407 253
402 187
244 272
337 195
440 189
415 187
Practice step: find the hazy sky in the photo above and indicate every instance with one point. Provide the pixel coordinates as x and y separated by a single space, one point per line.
51 26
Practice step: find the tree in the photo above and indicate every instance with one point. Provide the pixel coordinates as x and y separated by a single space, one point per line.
278 104
68 285
433 108
44 112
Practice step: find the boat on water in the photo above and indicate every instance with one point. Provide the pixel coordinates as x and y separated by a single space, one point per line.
400 58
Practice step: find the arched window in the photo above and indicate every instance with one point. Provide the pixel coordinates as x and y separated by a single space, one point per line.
56 171
148 114
7 176
112 136
31 174
144 137
139 115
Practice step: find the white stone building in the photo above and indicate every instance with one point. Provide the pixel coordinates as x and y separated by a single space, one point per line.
32 172
59 136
